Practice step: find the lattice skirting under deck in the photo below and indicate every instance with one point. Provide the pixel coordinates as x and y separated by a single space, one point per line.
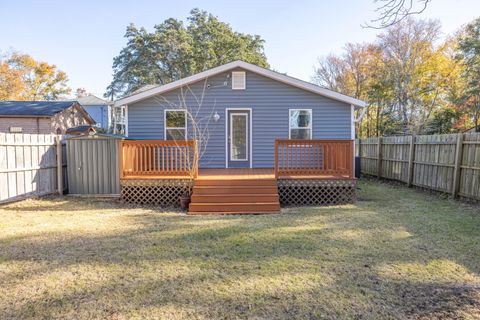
316 192
163 193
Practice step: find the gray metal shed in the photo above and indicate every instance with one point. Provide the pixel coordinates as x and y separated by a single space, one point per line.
94 165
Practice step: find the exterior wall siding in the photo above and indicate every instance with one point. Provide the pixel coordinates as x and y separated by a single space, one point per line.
269 100
28 125
99 114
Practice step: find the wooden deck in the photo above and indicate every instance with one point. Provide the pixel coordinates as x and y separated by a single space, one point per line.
242 174
165 164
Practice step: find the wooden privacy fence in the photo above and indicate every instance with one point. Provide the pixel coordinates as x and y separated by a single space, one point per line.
314 157
31 165
447 163
140 158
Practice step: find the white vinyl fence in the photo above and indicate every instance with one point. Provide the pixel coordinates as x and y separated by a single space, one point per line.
31 165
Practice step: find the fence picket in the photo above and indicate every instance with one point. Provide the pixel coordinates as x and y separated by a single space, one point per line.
448 163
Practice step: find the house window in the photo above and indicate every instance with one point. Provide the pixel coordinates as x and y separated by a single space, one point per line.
238 80
175 124
300 124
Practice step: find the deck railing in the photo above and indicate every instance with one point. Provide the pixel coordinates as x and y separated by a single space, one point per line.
314 158
158 158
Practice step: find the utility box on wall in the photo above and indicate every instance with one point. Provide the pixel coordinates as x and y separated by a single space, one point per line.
94 165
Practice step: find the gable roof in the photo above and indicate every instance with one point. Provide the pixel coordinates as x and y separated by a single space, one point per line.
39 109
246 66
91 100
33 108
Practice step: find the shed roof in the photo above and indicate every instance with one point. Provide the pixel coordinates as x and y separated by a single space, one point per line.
33 108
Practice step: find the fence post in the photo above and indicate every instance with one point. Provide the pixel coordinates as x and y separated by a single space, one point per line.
458 163
379 157
411 158
59 165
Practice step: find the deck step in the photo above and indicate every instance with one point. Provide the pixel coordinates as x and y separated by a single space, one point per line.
236 182
219 190
235 198
231 212
258 207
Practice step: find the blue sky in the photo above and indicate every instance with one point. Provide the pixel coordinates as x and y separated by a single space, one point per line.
82 37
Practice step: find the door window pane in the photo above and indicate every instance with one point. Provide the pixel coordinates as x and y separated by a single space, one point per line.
239 137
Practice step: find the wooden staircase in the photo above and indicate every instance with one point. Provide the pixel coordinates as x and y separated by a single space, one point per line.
235 196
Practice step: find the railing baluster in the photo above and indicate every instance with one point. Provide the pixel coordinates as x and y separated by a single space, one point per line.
314 157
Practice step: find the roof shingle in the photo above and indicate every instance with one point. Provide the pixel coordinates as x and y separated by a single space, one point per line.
33 108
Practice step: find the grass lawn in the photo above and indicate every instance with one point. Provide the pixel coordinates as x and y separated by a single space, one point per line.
397 253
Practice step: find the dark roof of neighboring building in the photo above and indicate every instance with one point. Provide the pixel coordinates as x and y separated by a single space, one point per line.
81 130
33 108
91 100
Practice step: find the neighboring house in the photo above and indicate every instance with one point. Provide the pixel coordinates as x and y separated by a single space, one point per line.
41 117
97 108
245 108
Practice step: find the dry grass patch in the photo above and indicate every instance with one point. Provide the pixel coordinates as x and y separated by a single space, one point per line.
402 254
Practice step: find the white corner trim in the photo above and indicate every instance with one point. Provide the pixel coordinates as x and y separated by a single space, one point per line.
126 120
248 67
352 122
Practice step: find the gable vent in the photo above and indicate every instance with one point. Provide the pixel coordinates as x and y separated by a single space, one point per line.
238 80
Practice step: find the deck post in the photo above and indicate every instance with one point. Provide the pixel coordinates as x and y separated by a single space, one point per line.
276 159
195 159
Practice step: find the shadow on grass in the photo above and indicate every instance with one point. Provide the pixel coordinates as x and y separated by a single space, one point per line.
304 263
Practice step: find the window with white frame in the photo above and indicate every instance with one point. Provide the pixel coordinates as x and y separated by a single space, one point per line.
300 124
175 124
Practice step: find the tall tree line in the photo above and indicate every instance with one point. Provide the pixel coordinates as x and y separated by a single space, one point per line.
413 81
174 50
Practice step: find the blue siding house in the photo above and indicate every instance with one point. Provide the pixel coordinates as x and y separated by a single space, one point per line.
239 109
238 139
97 108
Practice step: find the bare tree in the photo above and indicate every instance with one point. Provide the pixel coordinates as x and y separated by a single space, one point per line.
329 72
197 120
390 12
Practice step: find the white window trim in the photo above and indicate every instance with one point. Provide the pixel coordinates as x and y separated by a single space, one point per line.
243 114
173 128
244 87
310 126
